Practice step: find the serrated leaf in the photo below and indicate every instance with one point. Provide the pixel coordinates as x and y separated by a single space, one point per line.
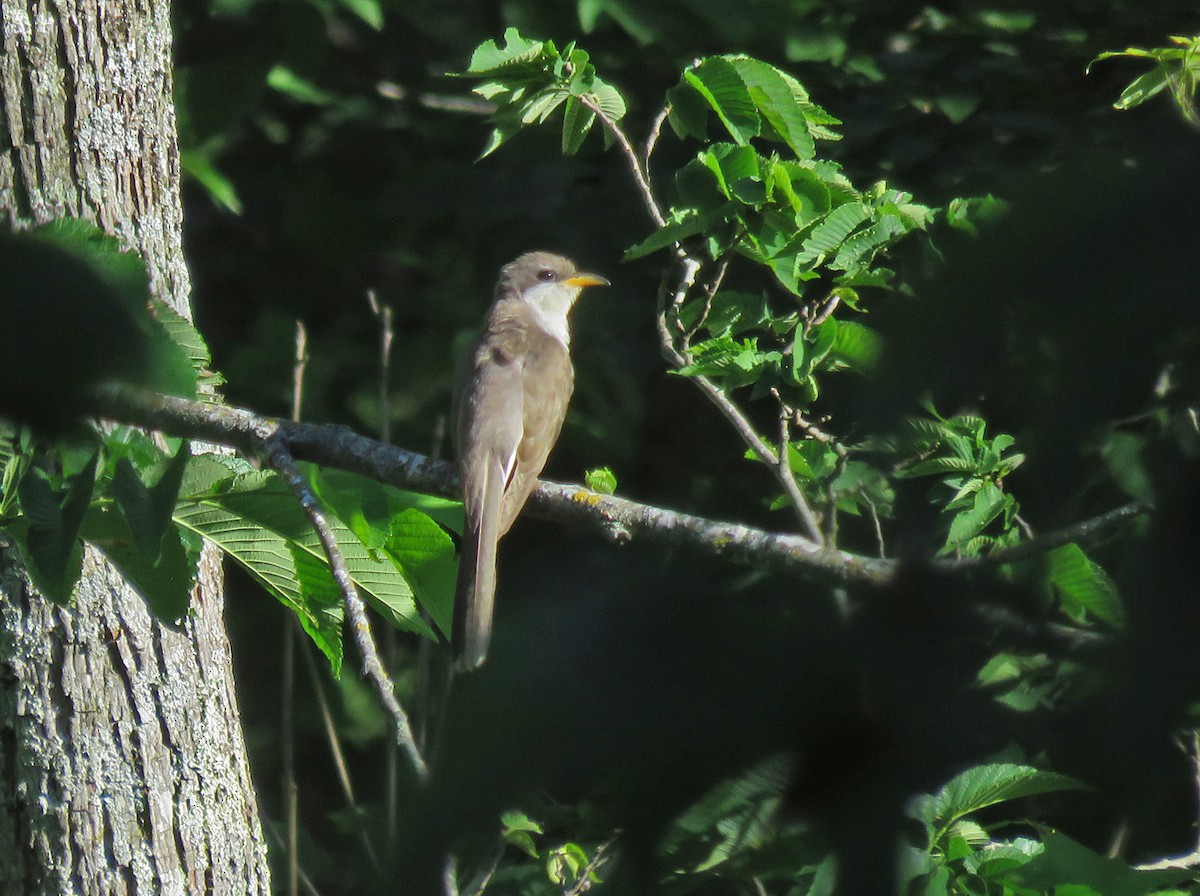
164 580
256 520
719 83
688 223
609 99
74 309
425 554
1081 587
937 466
988 503
322 602
491 59
988 785
1063 862
689 112
601 481
857 346
778 98
147 510
860 249
730 312
733 817
184 334
577 122
833 229
49 538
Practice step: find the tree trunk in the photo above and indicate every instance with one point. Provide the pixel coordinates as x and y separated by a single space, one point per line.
122 765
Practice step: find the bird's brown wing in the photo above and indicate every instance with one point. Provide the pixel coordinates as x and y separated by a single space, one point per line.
547 380
488 430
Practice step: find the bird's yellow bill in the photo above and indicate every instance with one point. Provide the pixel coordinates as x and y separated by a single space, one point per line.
582 280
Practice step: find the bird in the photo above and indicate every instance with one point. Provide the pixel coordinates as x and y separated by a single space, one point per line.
512 389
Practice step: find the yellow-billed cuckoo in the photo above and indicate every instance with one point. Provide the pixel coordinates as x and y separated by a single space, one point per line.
510 398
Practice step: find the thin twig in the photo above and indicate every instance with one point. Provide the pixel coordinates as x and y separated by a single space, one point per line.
814 432
383 314
291 791
640 177
279 458
826 310
880 544
491 871
652 137
335 748
783 472
710 292
583 882
387 333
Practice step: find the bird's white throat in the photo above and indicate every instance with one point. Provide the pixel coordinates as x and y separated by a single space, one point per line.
551 303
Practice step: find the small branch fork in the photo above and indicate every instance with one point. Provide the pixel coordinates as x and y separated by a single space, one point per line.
279 458
677 355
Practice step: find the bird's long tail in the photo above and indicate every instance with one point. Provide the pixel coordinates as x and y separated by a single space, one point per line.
475 592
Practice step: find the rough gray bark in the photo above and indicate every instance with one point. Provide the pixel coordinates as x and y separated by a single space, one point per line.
122 765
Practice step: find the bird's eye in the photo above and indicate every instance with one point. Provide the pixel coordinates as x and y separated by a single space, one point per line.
546 275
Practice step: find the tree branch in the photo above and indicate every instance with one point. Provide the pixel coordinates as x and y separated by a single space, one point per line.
341 448
1087 530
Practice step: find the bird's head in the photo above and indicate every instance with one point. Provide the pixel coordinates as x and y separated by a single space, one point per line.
549 284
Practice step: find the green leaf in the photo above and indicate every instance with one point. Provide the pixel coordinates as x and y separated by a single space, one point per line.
147 510
322 602
289 83
831 232
689 112
1144 87
425 555
733 817
609 99
857 346
49 541
987 785
964 214
369 11
601 481
74 309
988 503
781 101
577 121
17 461
200 166
516 55
164 579
1065 862
1081 587
254 518
729 313
687 223
716 79
184 334
517 828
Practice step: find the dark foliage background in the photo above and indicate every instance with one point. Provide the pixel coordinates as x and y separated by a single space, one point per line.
349 157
